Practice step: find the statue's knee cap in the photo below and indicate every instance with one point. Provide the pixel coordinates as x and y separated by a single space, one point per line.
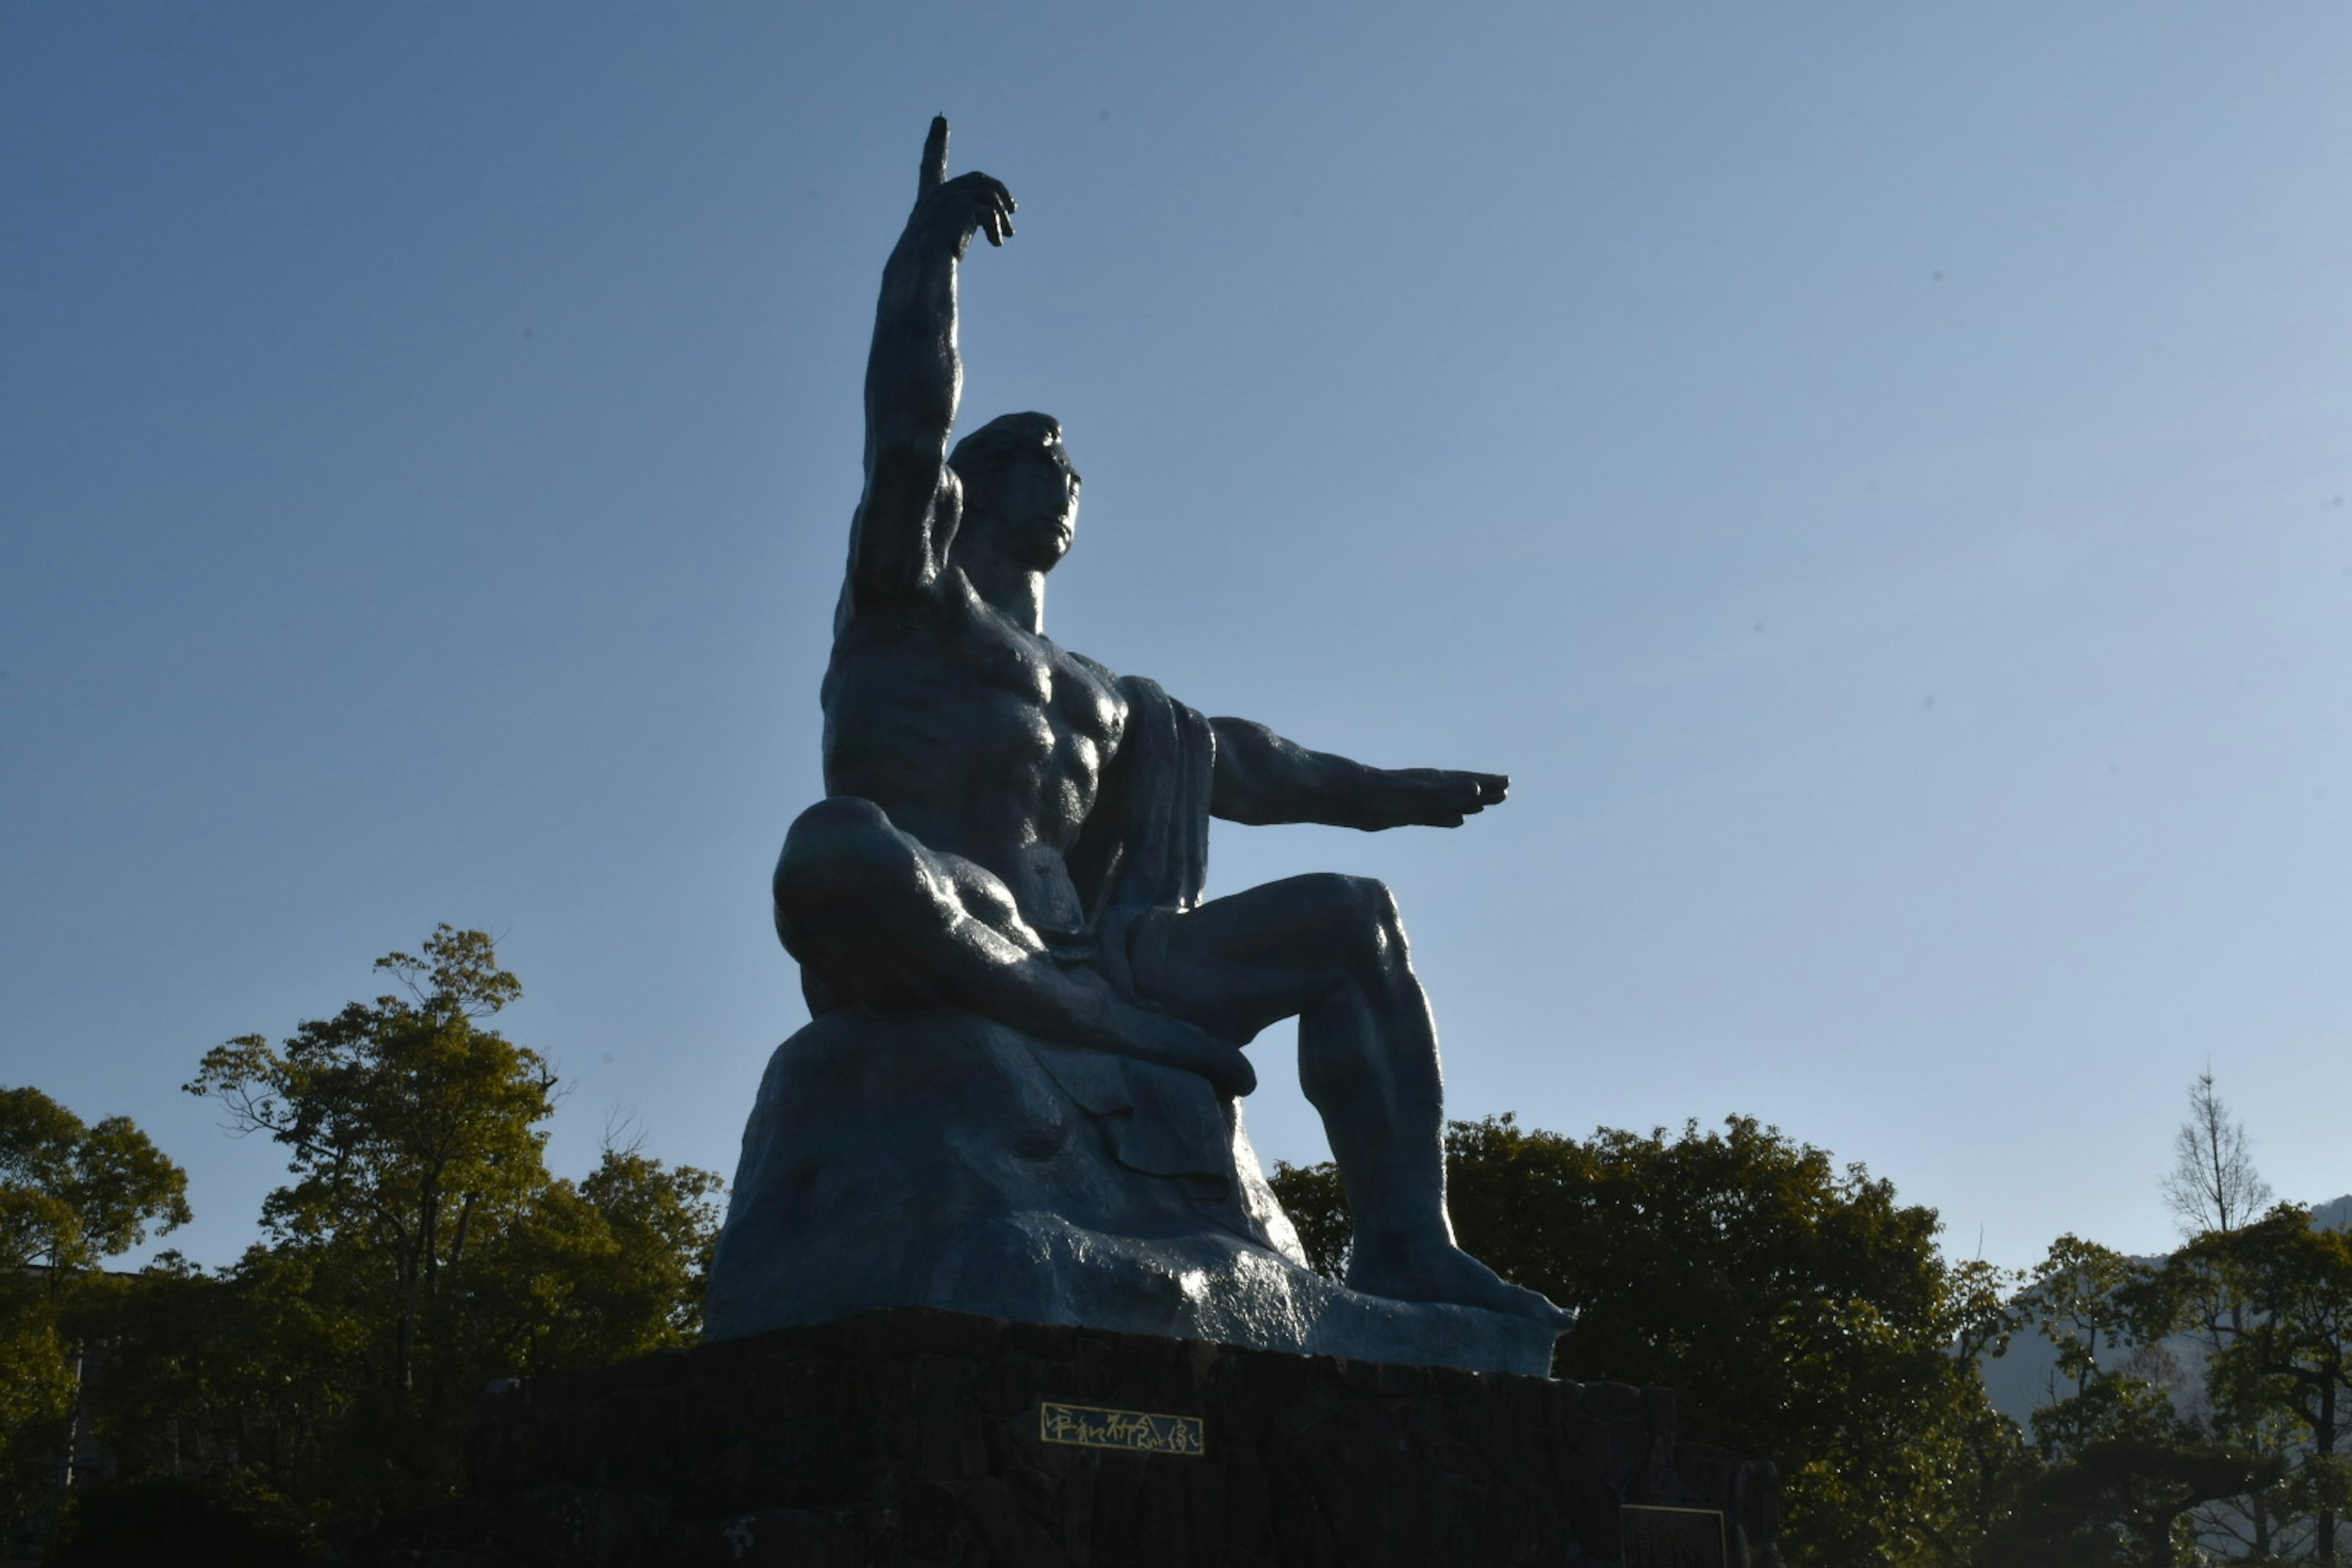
839 829
1371 898
838 816
843 860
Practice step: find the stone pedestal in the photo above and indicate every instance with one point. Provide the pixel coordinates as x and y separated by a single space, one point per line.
937 1159
918 1437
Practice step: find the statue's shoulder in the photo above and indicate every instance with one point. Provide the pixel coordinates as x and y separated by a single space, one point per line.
947 609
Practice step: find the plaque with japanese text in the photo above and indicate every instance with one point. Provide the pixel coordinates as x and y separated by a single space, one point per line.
1133 1431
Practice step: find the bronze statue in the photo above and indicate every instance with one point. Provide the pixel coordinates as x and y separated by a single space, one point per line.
1014 835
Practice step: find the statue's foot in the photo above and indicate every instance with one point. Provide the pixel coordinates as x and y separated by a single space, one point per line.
1447 1274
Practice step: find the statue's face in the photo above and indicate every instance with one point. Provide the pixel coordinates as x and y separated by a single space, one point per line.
1033 511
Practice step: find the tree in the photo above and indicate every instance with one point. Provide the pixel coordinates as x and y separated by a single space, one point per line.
1801 1313
2125 1472
612 1268
37 1392
2213 1188
2122 1501
2080 1299
71 1195
412 1127
2213 1185
2286 1355
231 1378
420 1248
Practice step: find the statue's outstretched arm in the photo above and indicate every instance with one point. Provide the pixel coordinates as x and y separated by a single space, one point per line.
1262 778
907 517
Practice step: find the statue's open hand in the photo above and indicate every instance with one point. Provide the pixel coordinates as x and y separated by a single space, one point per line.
1430 797
952 211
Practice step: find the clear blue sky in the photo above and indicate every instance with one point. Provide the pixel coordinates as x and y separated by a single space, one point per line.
1876 477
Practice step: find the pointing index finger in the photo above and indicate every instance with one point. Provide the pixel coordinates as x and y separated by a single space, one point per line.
935 157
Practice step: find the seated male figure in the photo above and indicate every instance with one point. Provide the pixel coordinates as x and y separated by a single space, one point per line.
966 754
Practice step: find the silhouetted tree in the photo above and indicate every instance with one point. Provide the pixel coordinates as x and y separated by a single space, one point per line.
420 1249
71 1195
1799 1312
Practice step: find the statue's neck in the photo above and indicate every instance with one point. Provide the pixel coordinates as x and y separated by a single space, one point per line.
1017 591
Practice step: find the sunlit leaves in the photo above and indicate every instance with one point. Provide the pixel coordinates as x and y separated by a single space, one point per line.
71 1194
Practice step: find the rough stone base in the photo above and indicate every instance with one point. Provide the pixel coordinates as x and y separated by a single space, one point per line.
911 1436
934 1159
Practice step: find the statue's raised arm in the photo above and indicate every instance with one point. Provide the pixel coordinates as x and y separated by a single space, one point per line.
907 517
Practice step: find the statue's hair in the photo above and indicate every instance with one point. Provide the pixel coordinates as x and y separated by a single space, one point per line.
980 457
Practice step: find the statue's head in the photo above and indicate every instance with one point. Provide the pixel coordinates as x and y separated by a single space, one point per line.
1020 493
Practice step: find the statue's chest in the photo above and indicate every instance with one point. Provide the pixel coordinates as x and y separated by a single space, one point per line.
1060 697
970 691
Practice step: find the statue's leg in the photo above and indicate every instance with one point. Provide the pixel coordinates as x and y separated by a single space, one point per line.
884 919
1330 951
876 916
849 893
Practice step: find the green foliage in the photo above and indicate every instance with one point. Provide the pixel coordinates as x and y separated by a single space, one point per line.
2124 1501
1801 1313
610 1269
2127 1473
412 1129
2282 1348
72 1194
420 1249
2082 1299
241 1380
37 1390
1318 1205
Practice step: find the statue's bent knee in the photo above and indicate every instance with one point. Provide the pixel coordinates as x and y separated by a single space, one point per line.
841 865
1372 902
1361 915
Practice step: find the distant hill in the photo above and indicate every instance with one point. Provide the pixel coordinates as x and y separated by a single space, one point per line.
2024 1380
